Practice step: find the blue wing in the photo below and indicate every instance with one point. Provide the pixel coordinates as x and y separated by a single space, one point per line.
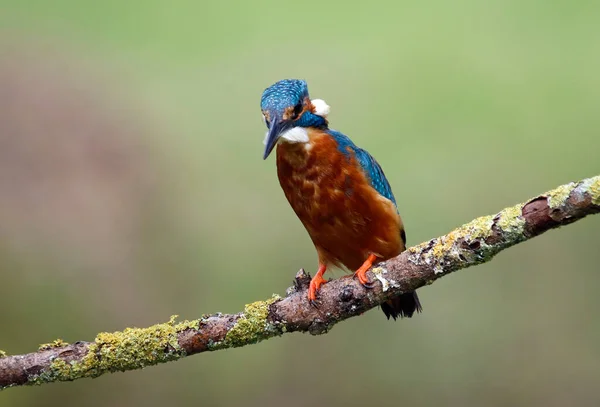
371 167
375 174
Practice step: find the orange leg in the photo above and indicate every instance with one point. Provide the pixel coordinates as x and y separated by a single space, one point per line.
361 273
316 283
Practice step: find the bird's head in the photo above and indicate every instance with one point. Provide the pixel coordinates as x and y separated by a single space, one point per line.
288 111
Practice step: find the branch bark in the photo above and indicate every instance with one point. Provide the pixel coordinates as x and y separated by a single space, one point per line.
473 243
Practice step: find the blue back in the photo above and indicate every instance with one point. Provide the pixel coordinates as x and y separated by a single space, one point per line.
368 164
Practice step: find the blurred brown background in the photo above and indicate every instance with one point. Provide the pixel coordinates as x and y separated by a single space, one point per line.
132 188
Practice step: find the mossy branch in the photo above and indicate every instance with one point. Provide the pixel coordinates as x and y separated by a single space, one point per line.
473 243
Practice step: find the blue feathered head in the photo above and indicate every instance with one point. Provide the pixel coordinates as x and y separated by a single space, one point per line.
286 105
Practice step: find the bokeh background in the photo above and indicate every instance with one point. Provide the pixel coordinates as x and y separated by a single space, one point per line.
132 188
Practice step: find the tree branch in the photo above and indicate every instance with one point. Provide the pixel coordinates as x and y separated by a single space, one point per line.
473 243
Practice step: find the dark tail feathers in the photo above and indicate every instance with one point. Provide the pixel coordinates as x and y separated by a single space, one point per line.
402 306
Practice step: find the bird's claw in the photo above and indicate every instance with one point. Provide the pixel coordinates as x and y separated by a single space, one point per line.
361 273
313 288
364 279
368 284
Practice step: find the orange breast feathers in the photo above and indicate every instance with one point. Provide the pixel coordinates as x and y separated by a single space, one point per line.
346 218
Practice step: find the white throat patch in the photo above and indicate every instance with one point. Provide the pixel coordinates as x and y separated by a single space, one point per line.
293 135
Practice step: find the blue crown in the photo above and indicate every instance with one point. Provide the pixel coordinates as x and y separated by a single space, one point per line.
282 94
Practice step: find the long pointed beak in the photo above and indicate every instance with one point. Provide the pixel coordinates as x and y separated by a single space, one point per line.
277 127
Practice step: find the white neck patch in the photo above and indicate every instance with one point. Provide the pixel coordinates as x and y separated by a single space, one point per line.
321 108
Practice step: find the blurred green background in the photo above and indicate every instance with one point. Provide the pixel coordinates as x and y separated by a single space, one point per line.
132 188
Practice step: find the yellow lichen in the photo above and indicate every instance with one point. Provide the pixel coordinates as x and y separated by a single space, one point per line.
133 348
252 326
182 326
594 189
57 343
511 222
445 252
378 272
558 196
479 228
60 368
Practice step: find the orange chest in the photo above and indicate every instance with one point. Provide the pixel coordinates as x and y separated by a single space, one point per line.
344 215
316 176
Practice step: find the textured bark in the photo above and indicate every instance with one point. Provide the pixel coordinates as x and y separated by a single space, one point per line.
473 243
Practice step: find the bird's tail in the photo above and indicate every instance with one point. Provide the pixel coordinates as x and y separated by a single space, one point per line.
402 306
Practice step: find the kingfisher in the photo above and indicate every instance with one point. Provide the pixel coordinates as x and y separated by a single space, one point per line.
337 190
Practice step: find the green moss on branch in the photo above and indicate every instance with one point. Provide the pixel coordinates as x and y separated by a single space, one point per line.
133 348
473 243
252 326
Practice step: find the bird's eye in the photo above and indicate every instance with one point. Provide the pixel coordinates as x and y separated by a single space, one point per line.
297 110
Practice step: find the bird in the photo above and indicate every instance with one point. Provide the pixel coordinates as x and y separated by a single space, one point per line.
338 190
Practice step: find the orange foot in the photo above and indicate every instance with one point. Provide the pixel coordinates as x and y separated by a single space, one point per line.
316 283
361 273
